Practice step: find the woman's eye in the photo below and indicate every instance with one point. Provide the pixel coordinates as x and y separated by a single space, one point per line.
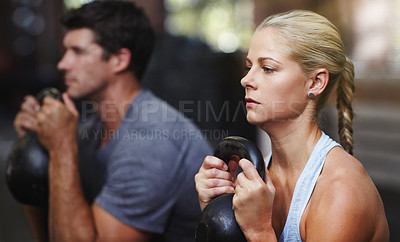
246 69
268 69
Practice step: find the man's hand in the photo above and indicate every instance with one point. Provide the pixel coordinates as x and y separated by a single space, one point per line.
57 123
25 121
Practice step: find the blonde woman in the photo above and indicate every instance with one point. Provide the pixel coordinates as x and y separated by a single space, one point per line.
315 189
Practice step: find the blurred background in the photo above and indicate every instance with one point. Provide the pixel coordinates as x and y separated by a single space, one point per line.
197 67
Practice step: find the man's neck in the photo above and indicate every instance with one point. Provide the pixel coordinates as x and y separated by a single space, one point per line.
113 106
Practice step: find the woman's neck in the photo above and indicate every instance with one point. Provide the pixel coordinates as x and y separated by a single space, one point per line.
292 143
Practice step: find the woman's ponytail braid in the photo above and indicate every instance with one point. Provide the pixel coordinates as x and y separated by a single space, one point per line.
345 94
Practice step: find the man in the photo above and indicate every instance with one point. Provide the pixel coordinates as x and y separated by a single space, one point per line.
128 174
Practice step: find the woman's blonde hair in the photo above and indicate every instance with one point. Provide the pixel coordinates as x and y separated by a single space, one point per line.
314 42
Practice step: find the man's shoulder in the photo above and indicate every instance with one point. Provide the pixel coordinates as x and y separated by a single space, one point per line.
148 108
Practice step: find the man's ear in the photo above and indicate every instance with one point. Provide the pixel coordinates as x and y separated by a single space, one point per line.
120 60
319 81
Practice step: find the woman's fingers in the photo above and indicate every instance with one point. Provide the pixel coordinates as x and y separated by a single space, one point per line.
213 179
249 183
213 182
214 162
216 173
248 169
207 194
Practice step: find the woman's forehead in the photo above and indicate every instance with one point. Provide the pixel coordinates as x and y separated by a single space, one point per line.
269 42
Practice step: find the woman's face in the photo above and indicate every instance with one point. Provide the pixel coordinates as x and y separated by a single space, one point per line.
275 84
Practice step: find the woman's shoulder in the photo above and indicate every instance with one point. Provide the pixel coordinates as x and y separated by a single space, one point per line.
340 167
344 182
346 175
346 198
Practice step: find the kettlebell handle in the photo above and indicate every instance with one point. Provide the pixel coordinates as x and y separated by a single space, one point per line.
243 148
49 92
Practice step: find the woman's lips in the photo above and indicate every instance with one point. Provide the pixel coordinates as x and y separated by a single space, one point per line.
251 102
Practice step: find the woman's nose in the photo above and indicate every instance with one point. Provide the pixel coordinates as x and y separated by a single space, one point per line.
248 80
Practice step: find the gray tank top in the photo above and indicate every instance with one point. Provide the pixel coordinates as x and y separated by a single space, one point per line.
304 187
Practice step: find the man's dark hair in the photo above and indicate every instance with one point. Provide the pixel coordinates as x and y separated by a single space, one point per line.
116 25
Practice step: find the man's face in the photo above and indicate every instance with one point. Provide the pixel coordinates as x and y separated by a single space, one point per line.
86 73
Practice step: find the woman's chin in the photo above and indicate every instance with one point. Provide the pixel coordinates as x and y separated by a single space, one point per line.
254 120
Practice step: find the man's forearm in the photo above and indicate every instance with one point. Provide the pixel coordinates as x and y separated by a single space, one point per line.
70 217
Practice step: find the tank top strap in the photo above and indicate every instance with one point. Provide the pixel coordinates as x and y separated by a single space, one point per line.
267 160
304 187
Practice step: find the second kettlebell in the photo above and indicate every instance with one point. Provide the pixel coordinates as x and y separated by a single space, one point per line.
27 168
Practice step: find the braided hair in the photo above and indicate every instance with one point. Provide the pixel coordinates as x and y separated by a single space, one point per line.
345 91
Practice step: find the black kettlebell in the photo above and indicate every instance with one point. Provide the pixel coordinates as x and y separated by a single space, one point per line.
217 221
28 162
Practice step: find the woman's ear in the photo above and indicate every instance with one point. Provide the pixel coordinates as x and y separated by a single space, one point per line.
121 60
319 82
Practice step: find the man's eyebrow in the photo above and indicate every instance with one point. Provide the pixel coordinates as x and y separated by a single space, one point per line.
77 49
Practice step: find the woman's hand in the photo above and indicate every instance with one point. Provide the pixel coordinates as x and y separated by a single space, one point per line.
253 202
213 179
